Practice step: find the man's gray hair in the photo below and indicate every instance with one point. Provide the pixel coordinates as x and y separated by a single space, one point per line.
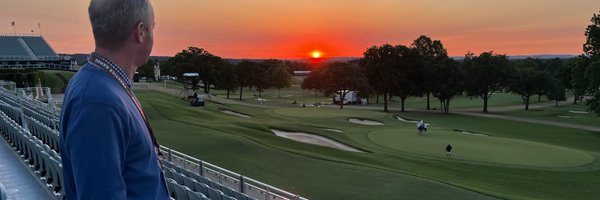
113 20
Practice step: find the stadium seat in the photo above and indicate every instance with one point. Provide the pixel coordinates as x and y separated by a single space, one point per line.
178 178
3 192
215 185
227 191
214 194
194 195
225 197
188 182
180 192
203 179
201 187
170 183
168 173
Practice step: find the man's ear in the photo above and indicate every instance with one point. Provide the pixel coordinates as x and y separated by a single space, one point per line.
140 32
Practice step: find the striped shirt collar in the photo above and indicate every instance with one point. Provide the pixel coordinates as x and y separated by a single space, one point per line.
96 60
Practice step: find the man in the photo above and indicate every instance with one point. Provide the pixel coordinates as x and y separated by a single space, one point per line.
107 147
449 150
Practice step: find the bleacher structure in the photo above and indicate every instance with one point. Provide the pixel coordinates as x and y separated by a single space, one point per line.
31 51
31 128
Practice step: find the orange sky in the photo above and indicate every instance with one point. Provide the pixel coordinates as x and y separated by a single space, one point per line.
293 28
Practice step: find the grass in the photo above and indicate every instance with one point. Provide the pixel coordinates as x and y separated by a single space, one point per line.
565 113
514 161
52 80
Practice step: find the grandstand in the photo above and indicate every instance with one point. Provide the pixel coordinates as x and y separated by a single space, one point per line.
31 51
30 128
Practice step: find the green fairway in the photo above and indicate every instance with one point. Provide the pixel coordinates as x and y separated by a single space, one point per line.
480 148
515 160
575 114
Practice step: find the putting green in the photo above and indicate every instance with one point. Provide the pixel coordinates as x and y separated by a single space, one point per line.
323 112
481 148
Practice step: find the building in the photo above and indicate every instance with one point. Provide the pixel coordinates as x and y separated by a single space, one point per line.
31 51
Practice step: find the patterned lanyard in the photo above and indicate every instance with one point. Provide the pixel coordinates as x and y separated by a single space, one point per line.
118 74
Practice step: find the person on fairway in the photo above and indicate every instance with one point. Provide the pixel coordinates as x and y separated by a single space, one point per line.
422 127
449 150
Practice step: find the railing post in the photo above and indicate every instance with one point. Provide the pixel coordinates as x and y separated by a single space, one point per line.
267 193
201 166
242 189
170 152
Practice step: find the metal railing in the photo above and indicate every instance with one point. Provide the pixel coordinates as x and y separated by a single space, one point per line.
240 183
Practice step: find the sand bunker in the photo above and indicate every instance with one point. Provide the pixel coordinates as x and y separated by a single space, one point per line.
364 122
567 116
333 130
314 139
578 111
469 133
405 120
236 114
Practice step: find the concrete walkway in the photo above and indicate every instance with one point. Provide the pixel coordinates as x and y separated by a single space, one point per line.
16 178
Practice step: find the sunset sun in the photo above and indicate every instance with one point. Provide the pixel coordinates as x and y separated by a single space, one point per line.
316 54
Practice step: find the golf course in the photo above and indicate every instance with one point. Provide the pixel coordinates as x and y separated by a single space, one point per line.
360 152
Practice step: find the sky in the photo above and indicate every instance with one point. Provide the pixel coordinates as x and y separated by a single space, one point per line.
337 28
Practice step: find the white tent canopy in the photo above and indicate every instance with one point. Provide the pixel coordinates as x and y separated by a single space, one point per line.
191 74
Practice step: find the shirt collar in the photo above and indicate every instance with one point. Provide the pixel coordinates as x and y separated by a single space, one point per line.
105 61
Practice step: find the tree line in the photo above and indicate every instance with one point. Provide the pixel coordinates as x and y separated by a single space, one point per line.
424 69
421 69
216 73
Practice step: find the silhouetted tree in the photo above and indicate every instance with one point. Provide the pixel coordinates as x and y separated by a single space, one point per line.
487 73
342 77
433 54
449 79
227 78
279 76
245 71
380 66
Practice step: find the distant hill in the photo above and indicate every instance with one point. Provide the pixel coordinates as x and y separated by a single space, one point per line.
82 58
540 56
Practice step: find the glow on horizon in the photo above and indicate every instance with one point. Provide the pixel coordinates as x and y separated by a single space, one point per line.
290 29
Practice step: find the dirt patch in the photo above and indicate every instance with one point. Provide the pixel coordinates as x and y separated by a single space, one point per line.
405 119
567 116
365 122
578 111
469 133
333 130
314 139
230 112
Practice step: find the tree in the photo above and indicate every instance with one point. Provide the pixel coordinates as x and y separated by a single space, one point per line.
579 82
527 82
410 73
342 77
314 80
227 78
198 60
449 78
245 71
147 70
279 76
379 65
555 91
591 49
488 73
433 54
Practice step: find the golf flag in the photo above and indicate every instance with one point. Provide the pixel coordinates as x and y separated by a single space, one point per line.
12 23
